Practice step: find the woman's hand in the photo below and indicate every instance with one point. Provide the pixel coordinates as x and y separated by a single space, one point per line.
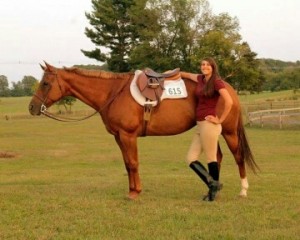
213 119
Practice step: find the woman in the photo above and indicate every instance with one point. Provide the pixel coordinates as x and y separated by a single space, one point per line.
210 88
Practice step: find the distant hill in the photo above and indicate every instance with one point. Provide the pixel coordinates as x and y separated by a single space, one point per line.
277 65
280 75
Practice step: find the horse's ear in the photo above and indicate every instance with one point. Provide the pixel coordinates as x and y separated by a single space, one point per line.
49 67
43 67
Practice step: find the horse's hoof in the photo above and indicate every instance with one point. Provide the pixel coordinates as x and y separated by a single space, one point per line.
243 193
133 195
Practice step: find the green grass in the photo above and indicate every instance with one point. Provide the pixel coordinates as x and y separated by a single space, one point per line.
68 181
16 105
270 96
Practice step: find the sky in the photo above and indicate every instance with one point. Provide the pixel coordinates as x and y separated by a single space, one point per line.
32 31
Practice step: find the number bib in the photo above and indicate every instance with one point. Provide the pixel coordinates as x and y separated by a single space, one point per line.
174 89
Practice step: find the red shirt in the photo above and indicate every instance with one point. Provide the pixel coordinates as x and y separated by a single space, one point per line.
207 105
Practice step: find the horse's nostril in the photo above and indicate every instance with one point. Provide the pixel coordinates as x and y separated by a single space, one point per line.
31 108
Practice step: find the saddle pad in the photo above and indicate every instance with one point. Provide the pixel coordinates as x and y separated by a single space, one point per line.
174 89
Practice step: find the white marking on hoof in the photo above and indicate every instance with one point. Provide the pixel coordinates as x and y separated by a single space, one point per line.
245 186
243 193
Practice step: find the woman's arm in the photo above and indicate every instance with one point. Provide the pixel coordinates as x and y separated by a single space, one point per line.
188 75
227 107
228 103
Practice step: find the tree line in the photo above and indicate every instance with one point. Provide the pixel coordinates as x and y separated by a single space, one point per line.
25 87
162 35
280 75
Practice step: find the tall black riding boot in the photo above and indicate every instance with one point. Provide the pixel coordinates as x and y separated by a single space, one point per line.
214 186
201 171
213 170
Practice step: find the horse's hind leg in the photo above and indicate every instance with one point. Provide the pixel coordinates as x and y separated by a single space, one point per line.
233 144
219 157
128 146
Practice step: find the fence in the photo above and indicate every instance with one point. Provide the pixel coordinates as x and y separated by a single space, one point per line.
279 115
251 107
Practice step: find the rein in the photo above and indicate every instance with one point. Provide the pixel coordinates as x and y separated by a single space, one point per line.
63 119
46 113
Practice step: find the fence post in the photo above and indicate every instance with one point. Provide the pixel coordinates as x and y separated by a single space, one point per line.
280 119
261 120
249 119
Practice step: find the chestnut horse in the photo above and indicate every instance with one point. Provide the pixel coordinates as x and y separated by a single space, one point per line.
109 94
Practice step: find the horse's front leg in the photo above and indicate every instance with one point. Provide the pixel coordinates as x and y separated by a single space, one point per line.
128 146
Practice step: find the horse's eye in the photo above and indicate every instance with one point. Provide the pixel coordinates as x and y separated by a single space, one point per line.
45 84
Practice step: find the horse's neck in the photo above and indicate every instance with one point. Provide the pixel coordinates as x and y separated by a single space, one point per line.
92 91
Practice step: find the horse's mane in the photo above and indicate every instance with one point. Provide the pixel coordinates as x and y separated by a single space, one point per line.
97 73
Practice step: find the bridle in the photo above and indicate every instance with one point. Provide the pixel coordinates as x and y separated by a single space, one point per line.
44 111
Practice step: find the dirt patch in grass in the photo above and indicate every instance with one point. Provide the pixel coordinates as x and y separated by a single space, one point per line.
7 155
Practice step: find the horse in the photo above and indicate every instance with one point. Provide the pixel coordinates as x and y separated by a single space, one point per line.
109 94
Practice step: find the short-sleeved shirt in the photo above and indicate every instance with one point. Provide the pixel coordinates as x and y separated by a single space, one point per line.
207 105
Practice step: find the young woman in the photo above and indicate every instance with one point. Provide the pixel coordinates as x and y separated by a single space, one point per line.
210 88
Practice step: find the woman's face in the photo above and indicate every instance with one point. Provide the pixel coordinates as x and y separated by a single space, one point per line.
206 68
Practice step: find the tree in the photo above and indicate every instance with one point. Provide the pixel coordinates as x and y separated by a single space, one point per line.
67 102
113 30
180 33
24 87
246 74
17 89
215 44
28 83
168 33
4 90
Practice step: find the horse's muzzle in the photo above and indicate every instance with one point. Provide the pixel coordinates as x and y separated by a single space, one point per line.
33 109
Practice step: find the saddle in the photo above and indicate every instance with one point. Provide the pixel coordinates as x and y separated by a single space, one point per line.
150 73
151 83
151 86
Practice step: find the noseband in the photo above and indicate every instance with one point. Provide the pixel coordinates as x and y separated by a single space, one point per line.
43 108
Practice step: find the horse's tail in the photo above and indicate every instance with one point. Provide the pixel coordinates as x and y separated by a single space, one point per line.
244 148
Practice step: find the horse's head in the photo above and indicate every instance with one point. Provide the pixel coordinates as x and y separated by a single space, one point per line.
49 90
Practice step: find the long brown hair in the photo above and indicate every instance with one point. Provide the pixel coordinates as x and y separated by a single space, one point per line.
209 89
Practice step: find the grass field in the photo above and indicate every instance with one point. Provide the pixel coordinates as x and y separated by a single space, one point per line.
67 181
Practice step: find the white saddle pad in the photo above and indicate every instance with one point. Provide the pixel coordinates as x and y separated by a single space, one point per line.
173 89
